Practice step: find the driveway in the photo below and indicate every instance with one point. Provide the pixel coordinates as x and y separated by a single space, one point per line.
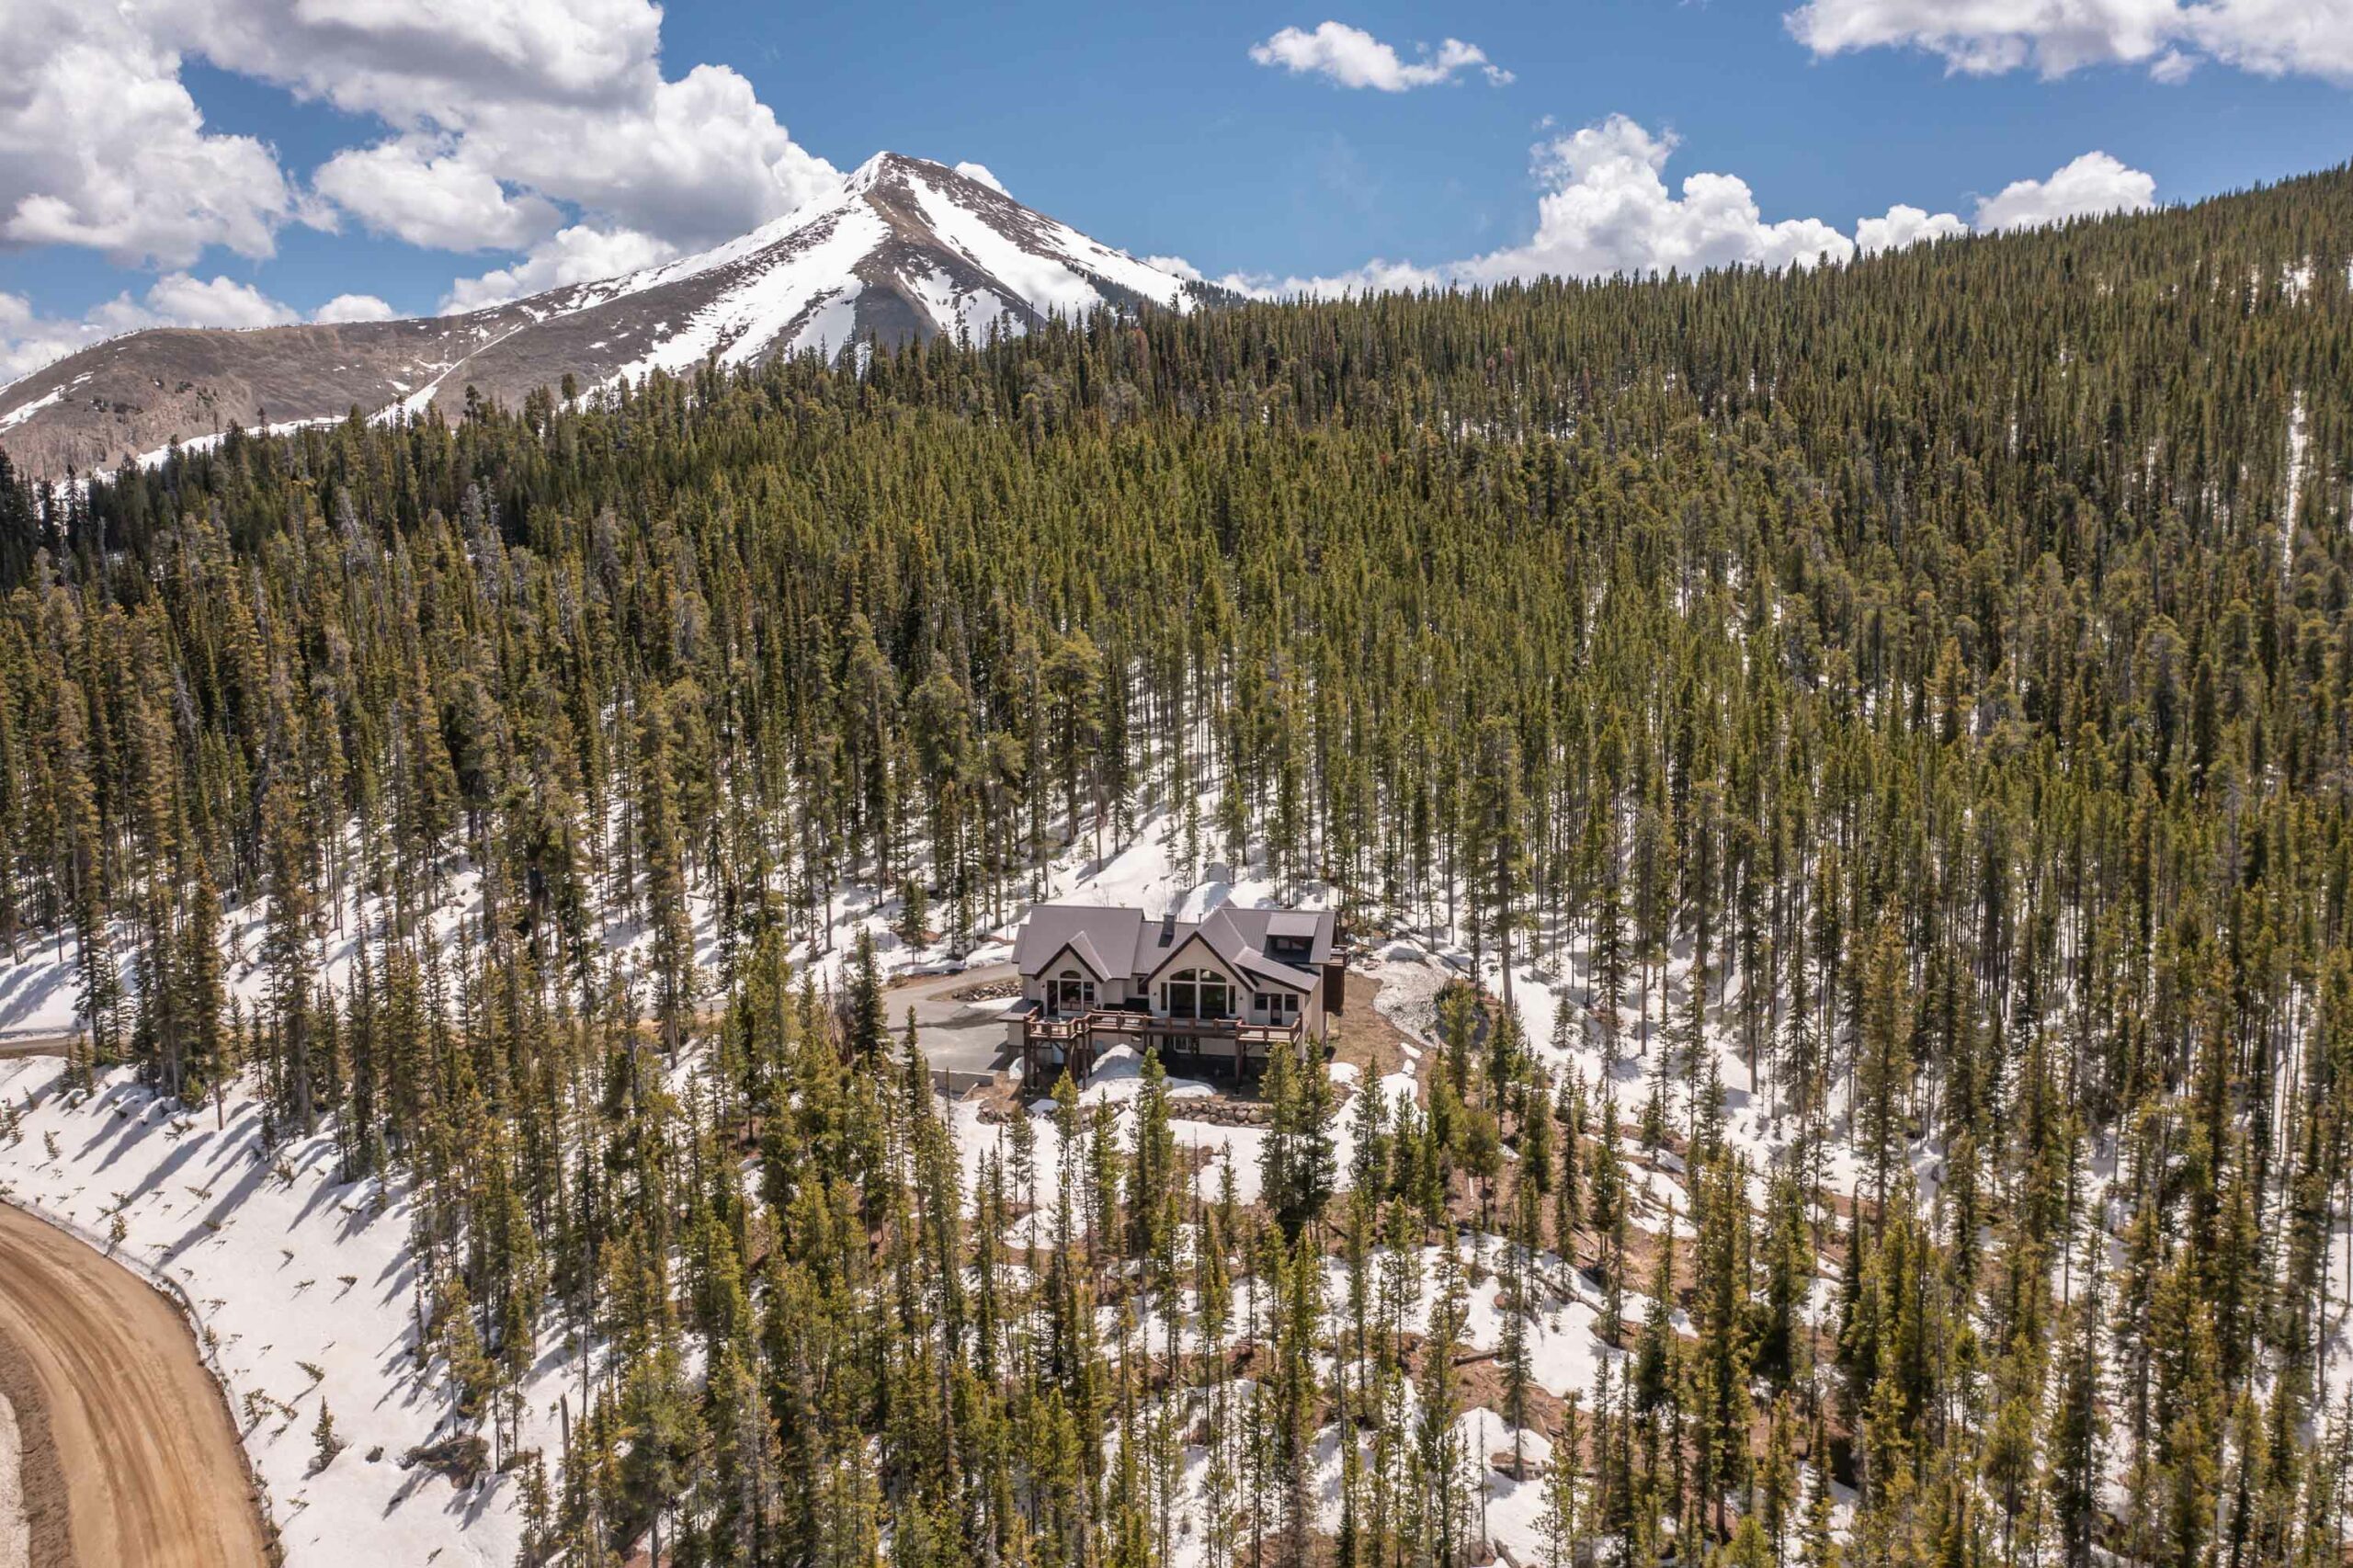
958 1037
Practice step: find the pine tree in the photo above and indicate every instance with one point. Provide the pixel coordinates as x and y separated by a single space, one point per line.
1884 1058
324 1444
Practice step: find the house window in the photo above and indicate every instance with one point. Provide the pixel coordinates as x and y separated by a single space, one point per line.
1277 1006
1073 992
1197 994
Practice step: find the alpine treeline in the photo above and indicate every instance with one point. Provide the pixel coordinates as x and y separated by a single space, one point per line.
1926 682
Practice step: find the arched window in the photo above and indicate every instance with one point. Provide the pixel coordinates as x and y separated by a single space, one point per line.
1197 994
1073 992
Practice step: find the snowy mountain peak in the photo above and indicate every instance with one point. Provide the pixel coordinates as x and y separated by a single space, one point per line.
904 248
884 166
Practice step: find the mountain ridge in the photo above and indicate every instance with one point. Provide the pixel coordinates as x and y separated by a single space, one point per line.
905 248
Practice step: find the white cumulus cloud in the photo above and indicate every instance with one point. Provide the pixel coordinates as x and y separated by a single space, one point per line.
1350 57
29 340
575 255
502 108
345 308
415 61
101 145
980 172
500 122
697 160
1905 225
1375 276
2168 37
2090 186
422 189
1607 209
178 300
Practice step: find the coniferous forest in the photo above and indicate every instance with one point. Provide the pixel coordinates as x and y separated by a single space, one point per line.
1924 685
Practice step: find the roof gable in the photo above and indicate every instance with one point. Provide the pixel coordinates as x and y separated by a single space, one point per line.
1111 932
1079 949
1234 953
1186 943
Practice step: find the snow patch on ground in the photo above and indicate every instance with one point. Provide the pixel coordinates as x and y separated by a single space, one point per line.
971 313
2299 438
262 1239
196 444
830 325
23 412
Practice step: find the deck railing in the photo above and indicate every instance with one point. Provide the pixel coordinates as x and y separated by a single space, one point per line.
1119 1021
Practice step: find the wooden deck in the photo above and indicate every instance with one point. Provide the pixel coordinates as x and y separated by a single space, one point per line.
1235 1042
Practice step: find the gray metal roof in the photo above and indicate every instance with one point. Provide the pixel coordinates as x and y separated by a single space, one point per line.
1227 939
1123 942
1257 926
1112 938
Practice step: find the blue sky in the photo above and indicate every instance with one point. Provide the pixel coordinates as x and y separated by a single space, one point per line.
429 153
1152 131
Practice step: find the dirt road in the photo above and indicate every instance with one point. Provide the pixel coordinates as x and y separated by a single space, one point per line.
129 1459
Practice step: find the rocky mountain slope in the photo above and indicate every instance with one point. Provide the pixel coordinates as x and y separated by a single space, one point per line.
906 248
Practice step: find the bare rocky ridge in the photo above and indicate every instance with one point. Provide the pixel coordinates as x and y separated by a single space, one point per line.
132 395
905 249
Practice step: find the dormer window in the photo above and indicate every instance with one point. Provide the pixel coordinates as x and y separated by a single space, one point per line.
1071 991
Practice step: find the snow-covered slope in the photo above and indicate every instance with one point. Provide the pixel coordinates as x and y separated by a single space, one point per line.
903 249
309 1290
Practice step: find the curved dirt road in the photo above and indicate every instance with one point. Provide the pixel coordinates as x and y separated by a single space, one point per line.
128 1457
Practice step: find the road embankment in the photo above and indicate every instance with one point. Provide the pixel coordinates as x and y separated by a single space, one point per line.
127 1457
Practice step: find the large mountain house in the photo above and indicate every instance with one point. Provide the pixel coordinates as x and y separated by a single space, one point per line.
1219 991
